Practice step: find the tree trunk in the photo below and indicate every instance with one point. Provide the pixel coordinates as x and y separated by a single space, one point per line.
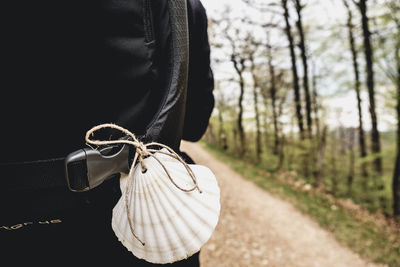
220 123
256 111
281 152
258 130
265 118
350 175
222 135
368 51
296 86
281 143
316 146
315 102
334 172
320 159
239 67
235 140
357 85
289 142
396 172
304 59
210 136
240 121
273 99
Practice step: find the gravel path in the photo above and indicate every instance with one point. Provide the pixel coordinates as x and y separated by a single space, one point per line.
257 229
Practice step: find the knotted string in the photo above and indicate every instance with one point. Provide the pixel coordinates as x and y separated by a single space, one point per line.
142 151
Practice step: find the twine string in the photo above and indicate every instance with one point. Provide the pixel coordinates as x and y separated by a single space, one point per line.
142 151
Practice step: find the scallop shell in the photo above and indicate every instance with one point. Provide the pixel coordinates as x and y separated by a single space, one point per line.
172 223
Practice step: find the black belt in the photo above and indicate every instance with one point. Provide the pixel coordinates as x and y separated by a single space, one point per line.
33 175
80 171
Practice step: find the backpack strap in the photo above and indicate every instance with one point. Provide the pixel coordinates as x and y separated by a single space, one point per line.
167 124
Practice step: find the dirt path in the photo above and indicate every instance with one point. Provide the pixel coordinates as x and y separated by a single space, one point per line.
257 229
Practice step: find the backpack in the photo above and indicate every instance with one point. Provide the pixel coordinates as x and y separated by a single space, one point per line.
42 222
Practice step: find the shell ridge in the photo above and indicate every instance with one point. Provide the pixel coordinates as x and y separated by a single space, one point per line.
120 224
179 231
196 237
175 167
206 176
138 209
213 182
172 249
176 199
159 222
147 202
136 175
122 180
165 158
180 197
156 174
180 174
207 207
116 224
135 246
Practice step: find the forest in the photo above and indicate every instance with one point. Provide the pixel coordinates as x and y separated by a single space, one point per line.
312 88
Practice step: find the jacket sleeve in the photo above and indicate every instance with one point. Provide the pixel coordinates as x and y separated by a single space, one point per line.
200 99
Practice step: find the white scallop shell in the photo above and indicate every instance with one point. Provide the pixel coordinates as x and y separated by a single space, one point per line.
172 223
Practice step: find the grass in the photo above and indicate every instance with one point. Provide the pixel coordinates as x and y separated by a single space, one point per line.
372 239
297 156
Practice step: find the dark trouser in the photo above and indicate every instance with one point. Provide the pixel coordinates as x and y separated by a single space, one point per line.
59 228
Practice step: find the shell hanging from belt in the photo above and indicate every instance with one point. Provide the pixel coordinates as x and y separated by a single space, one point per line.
169 224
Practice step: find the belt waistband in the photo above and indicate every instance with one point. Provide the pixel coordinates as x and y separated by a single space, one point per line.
33 175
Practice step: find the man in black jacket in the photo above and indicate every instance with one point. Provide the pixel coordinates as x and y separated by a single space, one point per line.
70 65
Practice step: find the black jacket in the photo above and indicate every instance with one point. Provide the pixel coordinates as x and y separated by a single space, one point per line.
68 66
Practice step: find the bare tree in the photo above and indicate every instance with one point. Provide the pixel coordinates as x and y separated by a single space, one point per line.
252 51
296 86
368 52
321 154
350 174
315 103
227 34
238 59
209 135
394 7
318 146
396 172
238 64
281 135
272 92
302 45
357 84
221 105
333 163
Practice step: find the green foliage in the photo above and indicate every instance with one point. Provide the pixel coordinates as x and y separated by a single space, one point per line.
301 156
333 166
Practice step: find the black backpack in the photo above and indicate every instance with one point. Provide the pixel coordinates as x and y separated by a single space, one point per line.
42 223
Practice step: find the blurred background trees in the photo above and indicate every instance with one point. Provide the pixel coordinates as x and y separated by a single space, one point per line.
312 87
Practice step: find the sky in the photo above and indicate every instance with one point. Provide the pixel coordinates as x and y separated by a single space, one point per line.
342 109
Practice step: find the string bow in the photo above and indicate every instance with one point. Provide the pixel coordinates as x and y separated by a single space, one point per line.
142 151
